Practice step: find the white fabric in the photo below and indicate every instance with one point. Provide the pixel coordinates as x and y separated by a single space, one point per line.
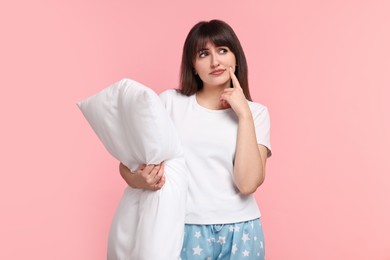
133 125
130 120
150 224
209 141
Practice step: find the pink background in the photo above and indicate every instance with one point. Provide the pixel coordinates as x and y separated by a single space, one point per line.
322 68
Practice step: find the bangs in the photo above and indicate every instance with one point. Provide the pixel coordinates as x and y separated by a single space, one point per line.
213 35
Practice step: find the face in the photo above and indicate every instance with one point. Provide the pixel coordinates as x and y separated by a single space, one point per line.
212 65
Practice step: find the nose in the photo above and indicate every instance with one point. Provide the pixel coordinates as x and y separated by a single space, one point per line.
214 60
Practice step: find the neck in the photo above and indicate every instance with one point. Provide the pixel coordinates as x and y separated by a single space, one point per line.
209 96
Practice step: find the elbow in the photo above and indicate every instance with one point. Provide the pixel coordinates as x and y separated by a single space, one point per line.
249 188
249 182
247 192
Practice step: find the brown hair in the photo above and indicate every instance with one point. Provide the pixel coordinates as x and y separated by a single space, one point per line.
220 34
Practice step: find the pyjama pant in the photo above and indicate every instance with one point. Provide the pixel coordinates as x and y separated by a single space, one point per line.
236 241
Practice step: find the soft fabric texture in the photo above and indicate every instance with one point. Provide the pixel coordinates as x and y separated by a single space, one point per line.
150 224
135 128
132 123
209 140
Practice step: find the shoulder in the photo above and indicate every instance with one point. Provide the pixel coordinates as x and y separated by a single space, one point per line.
168 92
257 108
171 94
262 124
173 97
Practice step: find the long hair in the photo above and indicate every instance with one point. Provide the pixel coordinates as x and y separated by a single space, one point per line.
220 34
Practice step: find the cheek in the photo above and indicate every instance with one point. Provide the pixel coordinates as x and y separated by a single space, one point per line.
200 67
196 65
229 61
233 59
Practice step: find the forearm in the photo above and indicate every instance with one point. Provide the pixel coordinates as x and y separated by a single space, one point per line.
149 177
127 175
249 172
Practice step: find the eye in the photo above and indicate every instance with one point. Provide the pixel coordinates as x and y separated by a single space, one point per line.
203 54
223 50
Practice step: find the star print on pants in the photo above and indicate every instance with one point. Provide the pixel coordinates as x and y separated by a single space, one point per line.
234 249
197 250
245 253
245 237
197 234
221 240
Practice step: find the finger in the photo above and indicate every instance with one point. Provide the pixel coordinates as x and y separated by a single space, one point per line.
154 171
236 84
159 173
162 167
147 169
149 175
228 90
225 97
160 183
225 104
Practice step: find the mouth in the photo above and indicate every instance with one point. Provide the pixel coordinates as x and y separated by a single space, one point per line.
217 72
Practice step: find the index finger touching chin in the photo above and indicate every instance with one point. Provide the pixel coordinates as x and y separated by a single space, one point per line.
236 84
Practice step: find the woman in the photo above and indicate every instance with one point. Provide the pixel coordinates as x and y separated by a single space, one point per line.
226 144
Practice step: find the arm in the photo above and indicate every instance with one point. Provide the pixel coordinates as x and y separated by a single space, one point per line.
149 177
250 159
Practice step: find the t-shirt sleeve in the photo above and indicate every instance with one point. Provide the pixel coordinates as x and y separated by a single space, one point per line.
262 126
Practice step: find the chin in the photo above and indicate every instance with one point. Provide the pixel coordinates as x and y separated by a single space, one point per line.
219 82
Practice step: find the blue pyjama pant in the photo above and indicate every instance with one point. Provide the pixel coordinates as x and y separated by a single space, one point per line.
236 241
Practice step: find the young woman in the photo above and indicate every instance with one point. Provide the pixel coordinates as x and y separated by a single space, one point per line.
226 139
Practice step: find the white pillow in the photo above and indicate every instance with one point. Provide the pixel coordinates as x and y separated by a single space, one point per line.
131 121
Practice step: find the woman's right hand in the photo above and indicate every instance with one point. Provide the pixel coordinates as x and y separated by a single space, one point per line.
149 177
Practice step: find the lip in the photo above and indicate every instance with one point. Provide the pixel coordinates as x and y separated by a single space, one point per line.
217 72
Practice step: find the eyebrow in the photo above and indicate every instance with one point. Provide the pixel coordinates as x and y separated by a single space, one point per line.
206 49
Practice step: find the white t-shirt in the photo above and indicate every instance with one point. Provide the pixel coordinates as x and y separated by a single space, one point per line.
209 140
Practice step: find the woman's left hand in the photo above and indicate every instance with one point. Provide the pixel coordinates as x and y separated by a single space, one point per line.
235 97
